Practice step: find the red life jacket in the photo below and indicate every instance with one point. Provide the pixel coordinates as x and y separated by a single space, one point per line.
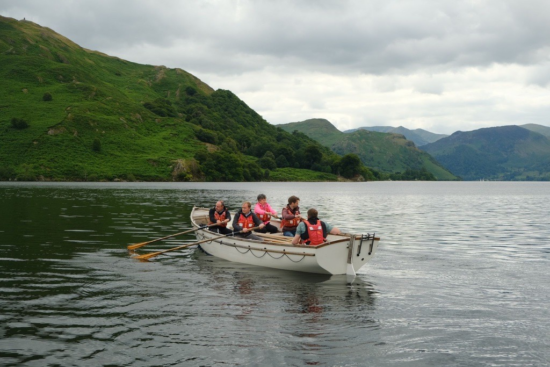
220 217
291 224
246 222
316 233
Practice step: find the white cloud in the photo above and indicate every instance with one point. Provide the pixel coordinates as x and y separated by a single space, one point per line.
540 74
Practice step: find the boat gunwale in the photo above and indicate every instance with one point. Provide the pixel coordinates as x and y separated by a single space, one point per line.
347 236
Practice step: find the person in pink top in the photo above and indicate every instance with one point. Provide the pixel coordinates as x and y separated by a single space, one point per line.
264 211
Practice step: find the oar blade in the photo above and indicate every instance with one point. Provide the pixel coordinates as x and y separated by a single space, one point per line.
147 256
137 245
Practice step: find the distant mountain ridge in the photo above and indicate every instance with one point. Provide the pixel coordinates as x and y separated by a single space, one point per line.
497 153
381 151
544 130
418 136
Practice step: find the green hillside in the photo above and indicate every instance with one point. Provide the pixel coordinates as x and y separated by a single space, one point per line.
418 136
320 130
68 113
390 153
498 153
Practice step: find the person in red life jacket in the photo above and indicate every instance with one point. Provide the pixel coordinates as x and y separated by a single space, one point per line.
220 215
264 211
245 220
312 231
291 216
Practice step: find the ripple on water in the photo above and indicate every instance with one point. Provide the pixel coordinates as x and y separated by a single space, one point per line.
459 279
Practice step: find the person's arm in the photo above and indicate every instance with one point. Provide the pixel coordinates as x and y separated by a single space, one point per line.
335 230
258 209
257 221
271 210
236 226
299 230
212 217
227 216
331 229
287 214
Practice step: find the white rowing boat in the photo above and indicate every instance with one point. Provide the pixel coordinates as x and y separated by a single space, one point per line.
340 254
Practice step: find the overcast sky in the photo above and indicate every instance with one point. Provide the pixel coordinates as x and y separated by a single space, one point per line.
438 65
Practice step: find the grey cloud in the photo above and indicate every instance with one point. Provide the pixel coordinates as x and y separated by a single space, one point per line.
330 57
371 37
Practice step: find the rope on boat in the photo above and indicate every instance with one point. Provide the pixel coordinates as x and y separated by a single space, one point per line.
277 258
236 247
303 257
248 250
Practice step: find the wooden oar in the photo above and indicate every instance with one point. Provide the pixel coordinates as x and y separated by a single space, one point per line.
274 237
153 254
141 244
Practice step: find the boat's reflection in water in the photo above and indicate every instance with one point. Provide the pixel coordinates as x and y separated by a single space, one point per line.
313 305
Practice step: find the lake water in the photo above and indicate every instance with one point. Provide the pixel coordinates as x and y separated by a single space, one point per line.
461 278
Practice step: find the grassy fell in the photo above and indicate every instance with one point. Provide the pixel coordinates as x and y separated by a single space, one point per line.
94 97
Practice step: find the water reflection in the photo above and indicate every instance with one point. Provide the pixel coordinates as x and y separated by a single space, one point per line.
318 308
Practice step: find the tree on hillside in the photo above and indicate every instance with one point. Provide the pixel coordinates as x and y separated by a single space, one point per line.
7 173
268 161
229 145
287 153
206 136
282 161
350 165
312 155
161 107
19 124
221 166
252 172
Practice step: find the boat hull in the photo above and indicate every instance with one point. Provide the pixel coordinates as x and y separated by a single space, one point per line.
334 257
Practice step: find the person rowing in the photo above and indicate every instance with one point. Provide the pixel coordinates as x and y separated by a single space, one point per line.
264 211
291 216
219 215
244 221
313 231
